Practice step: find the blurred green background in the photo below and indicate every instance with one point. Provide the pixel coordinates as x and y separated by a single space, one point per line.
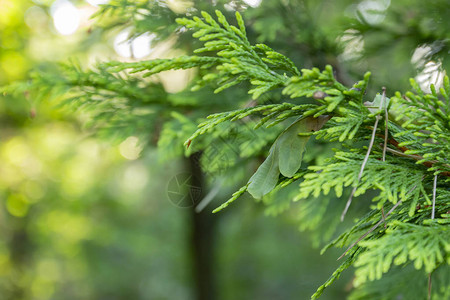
82 217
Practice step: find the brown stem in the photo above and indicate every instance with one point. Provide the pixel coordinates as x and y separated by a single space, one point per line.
427 164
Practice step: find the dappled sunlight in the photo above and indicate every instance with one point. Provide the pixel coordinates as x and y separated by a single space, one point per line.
136 48
134 180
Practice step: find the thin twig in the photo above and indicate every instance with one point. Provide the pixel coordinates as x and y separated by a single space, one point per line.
386 132
383 217
370 230
366 158
400 153
386 129
427 164
434 196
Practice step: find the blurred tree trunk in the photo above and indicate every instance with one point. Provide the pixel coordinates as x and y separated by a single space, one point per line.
202 235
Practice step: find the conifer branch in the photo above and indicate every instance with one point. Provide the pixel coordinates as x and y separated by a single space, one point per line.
417 126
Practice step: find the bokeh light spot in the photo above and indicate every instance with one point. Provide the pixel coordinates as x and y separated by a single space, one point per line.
134 179
97 2
66 17
253 3
137 47
13 64
130 148
372 11
17 205
9 12
33 190
121 44
179 6
15 151
35 17
142 45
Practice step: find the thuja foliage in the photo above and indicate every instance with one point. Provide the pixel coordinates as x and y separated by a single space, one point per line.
395 149
407 159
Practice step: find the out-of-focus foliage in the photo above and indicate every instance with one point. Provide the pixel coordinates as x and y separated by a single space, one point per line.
75 214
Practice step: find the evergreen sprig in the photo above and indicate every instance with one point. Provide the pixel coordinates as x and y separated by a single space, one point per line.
325 89
426 246
275 112
236 60
118 105
427 117
394 178
393 284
